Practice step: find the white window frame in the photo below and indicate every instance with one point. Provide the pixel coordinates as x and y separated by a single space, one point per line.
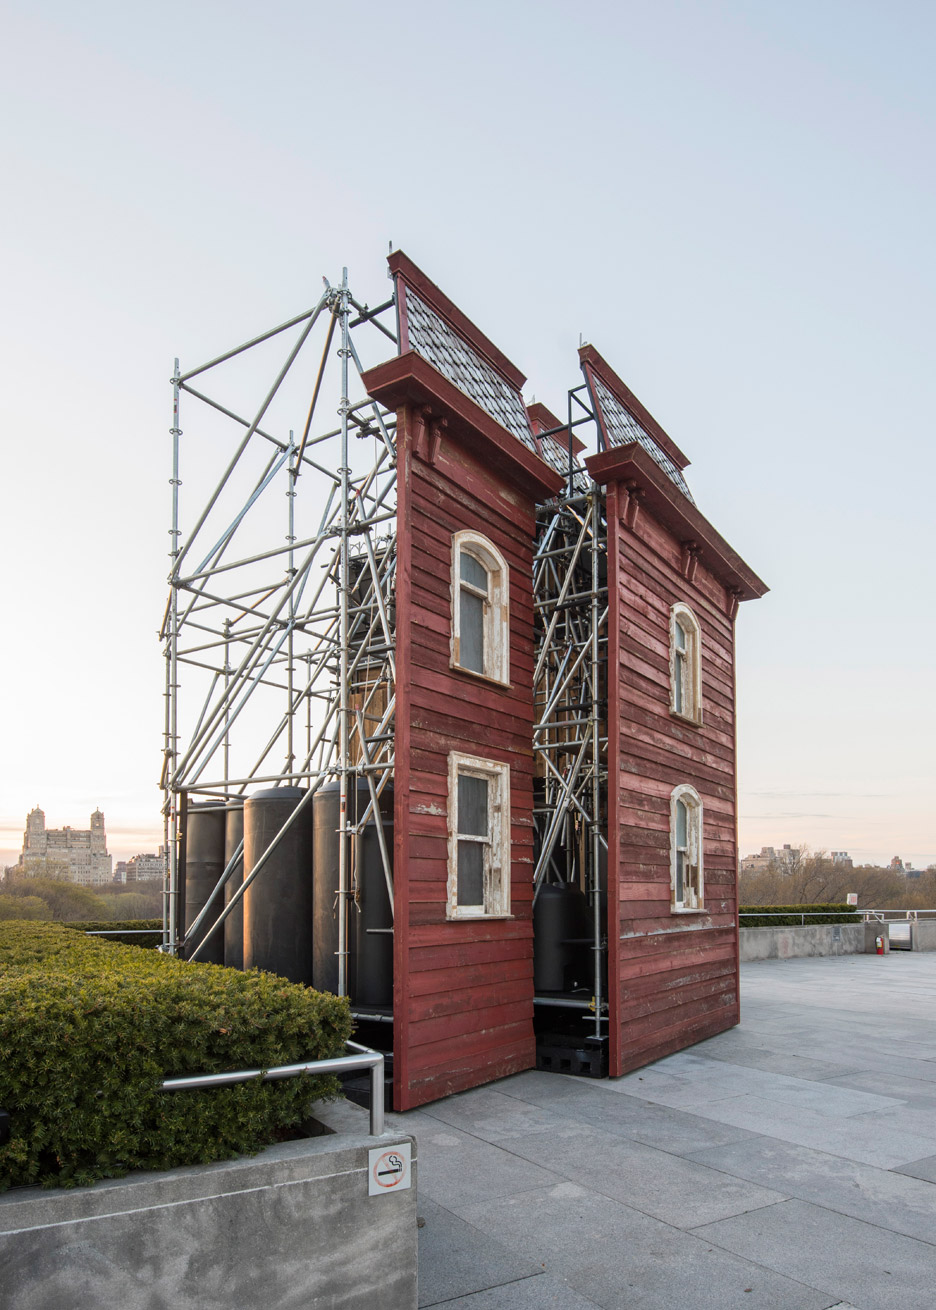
694 901
685 666
496 632
496 842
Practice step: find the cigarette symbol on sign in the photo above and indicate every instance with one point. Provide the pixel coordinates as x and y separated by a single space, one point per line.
389 1170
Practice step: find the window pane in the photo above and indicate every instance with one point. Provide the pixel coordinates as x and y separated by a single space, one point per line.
472 805
692 882
680 636
471 631
680 877
473 571
470 873
680 684
682 826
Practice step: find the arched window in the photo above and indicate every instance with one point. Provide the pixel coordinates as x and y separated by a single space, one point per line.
480 612
685 664
686 873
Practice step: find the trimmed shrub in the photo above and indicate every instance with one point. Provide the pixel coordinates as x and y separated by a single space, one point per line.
89 1029
113 926
790 916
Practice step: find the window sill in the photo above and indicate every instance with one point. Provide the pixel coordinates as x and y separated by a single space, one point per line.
686 718
481 677
686 909
469 916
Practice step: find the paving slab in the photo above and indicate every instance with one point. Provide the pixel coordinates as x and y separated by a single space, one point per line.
680 1087
781 1061
619 1258
456 1259
544 1292
904 1204
885 1082
788 1162
925 1168
456 1168
586 1101
668 1187
491 1115
876 1269
870 1143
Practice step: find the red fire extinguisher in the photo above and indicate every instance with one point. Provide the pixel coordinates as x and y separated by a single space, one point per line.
879 944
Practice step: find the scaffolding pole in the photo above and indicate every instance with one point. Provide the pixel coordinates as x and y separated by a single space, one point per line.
306 621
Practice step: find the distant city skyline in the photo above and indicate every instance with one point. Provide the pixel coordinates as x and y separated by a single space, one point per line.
728 201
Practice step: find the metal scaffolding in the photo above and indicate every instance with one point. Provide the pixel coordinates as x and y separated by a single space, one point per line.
278 633
570 735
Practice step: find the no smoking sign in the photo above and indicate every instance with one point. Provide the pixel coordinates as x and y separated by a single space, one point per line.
388 1169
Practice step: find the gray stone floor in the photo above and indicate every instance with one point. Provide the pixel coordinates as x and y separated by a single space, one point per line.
790 1162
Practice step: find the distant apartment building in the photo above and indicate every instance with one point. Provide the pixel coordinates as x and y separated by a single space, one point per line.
83 851
146 868
842 860
771 858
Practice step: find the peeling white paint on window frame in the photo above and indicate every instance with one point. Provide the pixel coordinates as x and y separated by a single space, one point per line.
686 793
496 633
497 847
687 706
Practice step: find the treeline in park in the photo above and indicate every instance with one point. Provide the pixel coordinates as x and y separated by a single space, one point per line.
49 894
812 879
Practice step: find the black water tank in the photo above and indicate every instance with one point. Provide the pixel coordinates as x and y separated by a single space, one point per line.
561 932
326 804
371 938
204 864
234 923
278 903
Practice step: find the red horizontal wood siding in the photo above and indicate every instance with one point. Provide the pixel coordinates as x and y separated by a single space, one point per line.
463 990
673 978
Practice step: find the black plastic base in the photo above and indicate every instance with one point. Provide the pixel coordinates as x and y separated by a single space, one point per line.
559 1053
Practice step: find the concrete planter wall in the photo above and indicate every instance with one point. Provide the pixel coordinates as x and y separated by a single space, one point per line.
810 939
291 1227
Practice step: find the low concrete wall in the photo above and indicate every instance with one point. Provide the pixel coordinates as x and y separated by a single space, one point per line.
291 1227
874 930
923 935
810 939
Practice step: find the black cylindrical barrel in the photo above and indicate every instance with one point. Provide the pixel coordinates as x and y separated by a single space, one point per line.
278 903
234 923
204 864
371 968
560 929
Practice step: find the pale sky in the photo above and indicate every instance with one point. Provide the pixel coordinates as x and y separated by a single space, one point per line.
733 201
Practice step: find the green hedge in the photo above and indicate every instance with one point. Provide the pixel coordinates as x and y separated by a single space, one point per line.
89 1029
111 927
791 915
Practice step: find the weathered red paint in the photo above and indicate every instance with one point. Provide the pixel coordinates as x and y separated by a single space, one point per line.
463 990
673 978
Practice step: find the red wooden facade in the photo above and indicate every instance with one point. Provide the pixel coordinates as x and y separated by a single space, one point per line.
463 989
673 976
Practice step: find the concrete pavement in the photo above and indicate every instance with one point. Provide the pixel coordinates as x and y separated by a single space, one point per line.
790 1162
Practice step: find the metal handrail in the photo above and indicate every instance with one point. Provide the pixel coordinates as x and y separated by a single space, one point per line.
122 932
366 1059
866 916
